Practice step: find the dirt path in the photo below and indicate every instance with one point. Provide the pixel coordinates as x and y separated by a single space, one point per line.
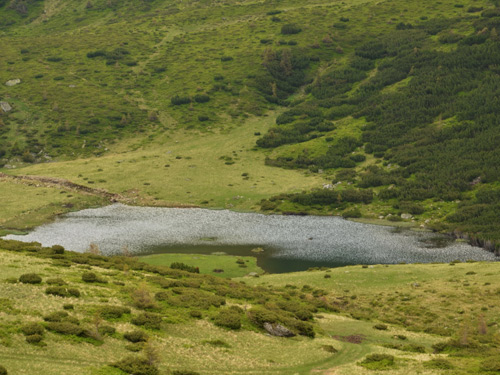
40 181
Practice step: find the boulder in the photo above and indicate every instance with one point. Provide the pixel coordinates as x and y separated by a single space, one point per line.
5 106
13 82
406 216
277 329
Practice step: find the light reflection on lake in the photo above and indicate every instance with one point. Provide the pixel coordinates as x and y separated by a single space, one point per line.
291 243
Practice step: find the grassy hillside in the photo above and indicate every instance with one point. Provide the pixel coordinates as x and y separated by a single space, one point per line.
387 97
82 310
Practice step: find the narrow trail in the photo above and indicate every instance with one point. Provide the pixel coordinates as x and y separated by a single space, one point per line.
41 181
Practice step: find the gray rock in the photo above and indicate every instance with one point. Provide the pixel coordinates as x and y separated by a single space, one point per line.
278 330
406 216
5 106
13 82
253 274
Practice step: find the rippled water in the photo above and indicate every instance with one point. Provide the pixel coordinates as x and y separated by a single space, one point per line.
290 243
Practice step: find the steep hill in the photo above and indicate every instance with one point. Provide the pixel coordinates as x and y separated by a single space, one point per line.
223 104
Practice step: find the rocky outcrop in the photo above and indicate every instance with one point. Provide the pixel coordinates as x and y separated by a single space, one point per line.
278 330
13 82
4 106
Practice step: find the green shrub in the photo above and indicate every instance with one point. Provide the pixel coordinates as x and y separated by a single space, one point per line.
73 292
106 330
57 249
65 328
34 339
3 370
68 306
438 364
32 329
201 98
351 213
228 318
56 316
491 364
136 366
378 361
195 314
217 343
185 372
290 28
148 320
30 278
136 336
91 277
380 327
56 281
179 100
113 312
184 267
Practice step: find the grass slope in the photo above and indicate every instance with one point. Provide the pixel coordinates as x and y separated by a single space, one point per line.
183 343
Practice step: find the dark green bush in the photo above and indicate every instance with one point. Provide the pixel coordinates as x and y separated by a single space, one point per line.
179 100
136 336
380 327
62 292
91 277
185 372
32 329
226 58
56 281
352 213
148 320
65 328
106 330
34 339
201 98
439 364
491 364
378 361
56 316
290 28
184 267
57 249
195 314
136 366
3 370
30 278
113 312
228 318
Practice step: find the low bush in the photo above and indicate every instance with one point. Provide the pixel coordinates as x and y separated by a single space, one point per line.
30 278
62 292
136 366
228 318
91 277
57 316
113 312
217 343
195 314
34 339
65 328
136 336
56 281
57 249
201 98
185 372
184 267
438 364
148 320
290 28
380 327
3 370
179 100
32 329
106 330
491 364
378 361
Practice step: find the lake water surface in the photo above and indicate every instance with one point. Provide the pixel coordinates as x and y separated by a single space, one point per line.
290 243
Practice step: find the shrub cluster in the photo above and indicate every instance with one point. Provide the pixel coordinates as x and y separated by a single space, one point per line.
30 278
